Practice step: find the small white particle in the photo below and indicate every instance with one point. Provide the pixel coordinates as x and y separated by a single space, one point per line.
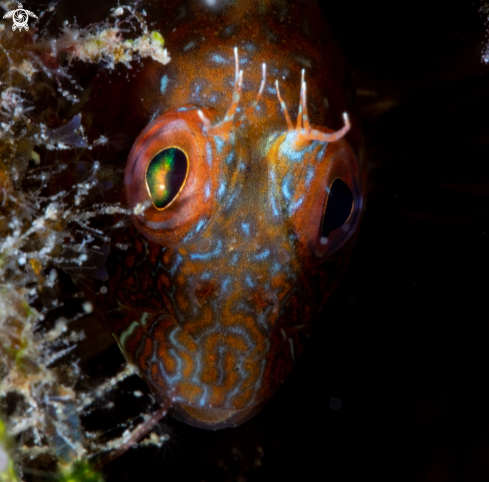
139 208
53 274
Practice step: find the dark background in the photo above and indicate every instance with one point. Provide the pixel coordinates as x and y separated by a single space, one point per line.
394 382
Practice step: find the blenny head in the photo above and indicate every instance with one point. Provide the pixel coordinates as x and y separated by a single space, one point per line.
243 238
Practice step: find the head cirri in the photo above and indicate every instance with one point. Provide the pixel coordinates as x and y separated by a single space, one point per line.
246 182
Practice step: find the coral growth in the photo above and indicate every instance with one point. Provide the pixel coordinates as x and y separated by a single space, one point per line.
42 405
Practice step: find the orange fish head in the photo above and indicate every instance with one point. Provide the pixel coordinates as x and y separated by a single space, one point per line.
243 240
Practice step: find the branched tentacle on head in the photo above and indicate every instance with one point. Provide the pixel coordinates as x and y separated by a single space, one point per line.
224 127
242 213
303 127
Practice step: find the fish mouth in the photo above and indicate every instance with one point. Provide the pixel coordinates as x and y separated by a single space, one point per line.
213 418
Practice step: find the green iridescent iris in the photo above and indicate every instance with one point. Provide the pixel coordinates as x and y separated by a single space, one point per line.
166 176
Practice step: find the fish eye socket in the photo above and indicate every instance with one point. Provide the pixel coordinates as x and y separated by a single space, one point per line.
166 175
338 207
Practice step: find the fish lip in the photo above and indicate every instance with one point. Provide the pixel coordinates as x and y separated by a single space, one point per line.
212 418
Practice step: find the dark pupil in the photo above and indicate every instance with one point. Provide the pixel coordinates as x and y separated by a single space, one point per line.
165 176
338 209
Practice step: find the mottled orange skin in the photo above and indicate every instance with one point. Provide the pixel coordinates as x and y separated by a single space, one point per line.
213 298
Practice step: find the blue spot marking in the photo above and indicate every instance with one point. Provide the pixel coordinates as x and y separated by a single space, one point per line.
310 175
293 207
275 268
250 47
219 59
229 157
288 150
204 397
263 255
246 228
241 307
250 282
322 151
159 364
197 370
182 109
189 46
258 382
207 191
210 254
262 320
231 200
199 226
222 188
178 262
272 175
229 30
172 338
225 284
208 152
239 384
272 197
164 83
179 366
286 188
219 144
240 330
272 90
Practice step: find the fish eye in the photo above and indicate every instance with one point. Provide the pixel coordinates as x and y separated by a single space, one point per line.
338 207
166 175
170 178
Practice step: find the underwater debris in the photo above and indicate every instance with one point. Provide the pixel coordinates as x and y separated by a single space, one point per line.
104 42
41 404
484 10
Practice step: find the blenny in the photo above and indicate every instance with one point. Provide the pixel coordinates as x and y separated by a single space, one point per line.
246 180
